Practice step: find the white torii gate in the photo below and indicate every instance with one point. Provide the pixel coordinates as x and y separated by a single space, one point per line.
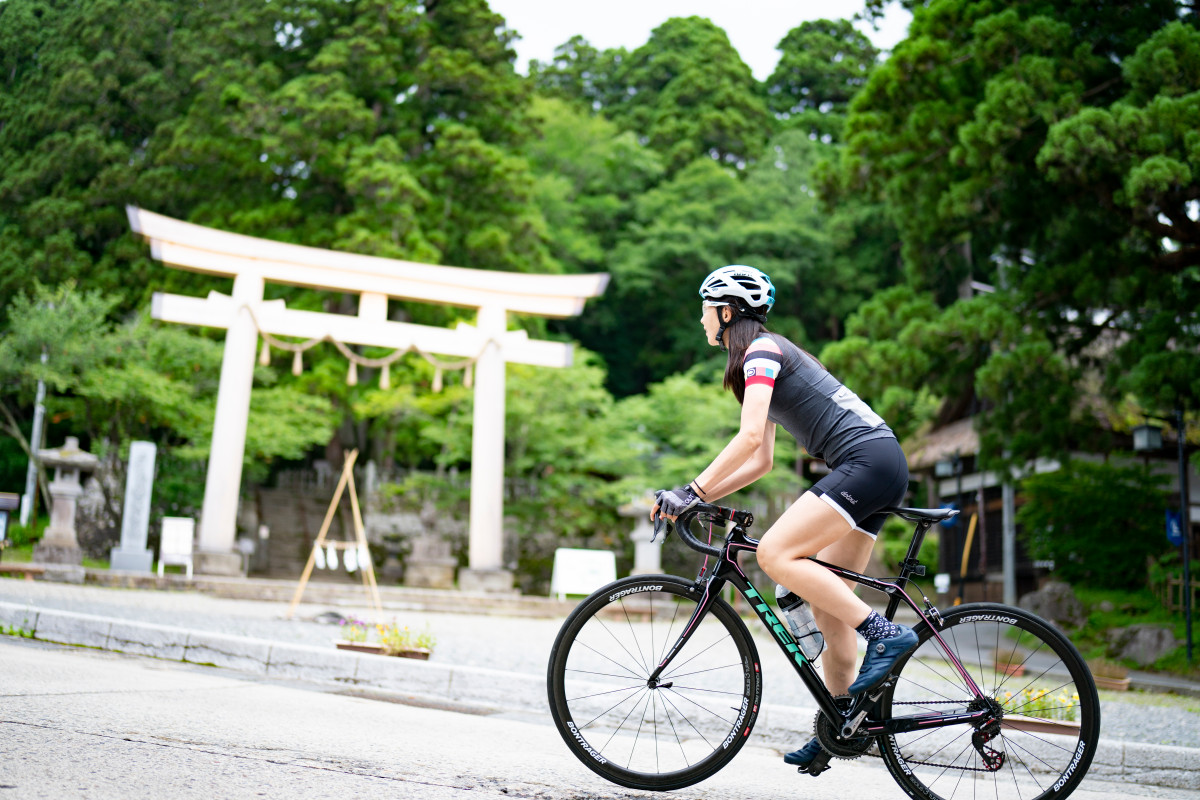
252 262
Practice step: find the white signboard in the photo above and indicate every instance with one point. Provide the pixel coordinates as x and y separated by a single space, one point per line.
579 571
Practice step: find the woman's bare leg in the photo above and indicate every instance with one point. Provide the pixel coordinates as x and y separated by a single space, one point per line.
851 552
808 527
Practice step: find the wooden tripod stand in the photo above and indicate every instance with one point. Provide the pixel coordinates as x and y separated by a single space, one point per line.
366 568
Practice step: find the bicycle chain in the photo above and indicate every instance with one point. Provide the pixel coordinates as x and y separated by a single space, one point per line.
878 754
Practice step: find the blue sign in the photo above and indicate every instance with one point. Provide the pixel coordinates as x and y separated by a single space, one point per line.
1174 528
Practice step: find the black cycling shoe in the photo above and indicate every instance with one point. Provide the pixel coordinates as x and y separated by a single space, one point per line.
803 757
882 654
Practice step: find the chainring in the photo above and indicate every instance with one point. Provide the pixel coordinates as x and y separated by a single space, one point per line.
829 733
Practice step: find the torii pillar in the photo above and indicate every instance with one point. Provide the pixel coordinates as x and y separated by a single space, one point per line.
485 534
215 554
252 262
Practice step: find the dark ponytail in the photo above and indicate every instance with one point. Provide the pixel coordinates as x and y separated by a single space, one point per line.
738 336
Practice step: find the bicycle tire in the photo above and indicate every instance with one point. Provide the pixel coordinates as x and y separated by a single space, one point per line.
1050 726
643 737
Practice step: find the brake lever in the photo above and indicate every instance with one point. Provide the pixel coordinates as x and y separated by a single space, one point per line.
660 523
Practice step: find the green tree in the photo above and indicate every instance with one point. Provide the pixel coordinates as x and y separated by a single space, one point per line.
112 384
647 325
381 127
384 128
826 258
83 89
391 135
691 95
582 74
993 136
706 216
686 92
588 172
64 327
880 360
822 65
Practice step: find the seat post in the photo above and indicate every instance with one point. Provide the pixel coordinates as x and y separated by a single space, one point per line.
914 547
910 565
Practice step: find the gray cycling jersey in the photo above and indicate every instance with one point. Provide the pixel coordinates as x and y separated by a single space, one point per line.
826 418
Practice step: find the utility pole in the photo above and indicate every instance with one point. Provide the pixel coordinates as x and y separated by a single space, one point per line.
35 443
1185 525
1009 540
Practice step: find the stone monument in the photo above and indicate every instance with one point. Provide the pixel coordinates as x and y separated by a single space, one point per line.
59 545
132 554
431 564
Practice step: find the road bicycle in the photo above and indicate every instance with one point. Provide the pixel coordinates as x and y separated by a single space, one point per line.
655 683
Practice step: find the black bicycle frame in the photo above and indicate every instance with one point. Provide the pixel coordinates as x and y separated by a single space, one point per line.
726 570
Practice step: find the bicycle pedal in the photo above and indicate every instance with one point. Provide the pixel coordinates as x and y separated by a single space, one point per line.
817 766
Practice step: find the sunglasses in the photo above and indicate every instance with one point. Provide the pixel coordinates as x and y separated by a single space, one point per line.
711 304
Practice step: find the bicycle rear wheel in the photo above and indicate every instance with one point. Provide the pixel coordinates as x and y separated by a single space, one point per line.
1035 680
637 733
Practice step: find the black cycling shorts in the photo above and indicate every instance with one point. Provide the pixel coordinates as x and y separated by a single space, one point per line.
873 475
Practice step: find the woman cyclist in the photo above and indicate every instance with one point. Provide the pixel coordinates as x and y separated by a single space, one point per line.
777 383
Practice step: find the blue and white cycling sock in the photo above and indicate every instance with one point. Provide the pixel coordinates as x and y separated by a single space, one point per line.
876 627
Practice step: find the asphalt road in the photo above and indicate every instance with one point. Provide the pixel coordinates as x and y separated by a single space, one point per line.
80 723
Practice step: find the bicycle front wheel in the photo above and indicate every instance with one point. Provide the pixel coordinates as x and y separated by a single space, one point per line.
663 734
1030 675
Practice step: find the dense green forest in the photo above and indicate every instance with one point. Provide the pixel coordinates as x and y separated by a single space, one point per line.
1000 218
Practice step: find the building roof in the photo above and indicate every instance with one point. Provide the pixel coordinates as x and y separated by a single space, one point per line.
925 450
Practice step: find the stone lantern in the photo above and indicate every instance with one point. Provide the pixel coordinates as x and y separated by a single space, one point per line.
59 545
647 555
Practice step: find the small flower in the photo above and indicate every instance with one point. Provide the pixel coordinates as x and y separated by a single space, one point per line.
354 631
396 639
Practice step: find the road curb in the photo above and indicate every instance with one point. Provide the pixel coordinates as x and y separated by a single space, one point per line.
459 684
781 727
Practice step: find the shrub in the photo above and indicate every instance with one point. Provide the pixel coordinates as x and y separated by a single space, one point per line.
1096 522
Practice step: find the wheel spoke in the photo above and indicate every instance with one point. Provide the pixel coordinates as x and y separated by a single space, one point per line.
662 734
1043 697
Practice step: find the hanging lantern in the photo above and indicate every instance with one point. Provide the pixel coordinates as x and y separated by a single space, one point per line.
319 558
385 377
264 357
468 374
1147 438
298 363
331 557
437 379
352 375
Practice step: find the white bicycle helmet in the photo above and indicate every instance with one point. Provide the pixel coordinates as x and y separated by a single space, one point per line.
738 282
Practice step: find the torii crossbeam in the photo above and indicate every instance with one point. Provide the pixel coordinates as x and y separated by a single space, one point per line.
253 262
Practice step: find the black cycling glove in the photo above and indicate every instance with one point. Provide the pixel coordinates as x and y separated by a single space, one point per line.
673 502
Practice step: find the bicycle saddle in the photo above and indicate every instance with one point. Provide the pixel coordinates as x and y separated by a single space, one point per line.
922 514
